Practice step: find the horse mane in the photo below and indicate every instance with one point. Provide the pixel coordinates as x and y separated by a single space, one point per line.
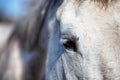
103 2
26 35
28 27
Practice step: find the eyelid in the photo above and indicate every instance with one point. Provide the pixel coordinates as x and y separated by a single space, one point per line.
69 37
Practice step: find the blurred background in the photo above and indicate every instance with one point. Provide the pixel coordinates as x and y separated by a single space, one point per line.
10 12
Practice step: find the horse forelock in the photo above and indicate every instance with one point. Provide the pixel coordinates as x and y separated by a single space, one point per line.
104 3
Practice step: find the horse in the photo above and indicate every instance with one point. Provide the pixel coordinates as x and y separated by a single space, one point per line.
85 41
64 40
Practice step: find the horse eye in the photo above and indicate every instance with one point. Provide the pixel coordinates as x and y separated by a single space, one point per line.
70 45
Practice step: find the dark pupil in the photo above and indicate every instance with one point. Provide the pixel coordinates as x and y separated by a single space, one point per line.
70 45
